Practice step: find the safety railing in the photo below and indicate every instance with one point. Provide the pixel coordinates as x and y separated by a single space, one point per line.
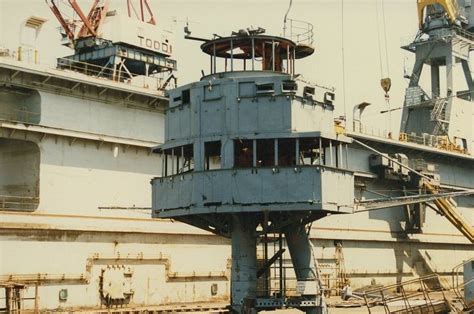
464 33
371 130
459 286
415 296
20 115
18 202
120 74
436 141
301 32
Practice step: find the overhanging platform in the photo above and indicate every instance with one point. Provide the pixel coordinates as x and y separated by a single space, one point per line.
300 188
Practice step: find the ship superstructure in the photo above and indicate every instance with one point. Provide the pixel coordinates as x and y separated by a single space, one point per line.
247 157
250 154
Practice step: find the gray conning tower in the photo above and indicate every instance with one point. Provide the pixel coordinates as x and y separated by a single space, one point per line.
251 154
443 42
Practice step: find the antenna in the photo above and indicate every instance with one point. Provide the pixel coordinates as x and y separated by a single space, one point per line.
286 17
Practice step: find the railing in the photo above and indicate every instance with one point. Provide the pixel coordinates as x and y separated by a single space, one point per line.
418 301
301 32
464 33
18 202
440 142
436 141
457 286
120 74
20 115
358 127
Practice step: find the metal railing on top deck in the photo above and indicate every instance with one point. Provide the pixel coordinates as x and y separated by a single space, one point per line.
31 56
435 141
119 75
301 32
8 202
20 115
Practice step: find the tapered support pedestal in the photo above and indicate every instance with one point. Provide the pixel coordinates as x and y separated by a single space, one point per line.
244 265
304 263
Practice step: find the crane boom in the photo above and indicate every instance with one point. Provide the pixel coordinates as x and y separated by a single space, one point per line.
65 25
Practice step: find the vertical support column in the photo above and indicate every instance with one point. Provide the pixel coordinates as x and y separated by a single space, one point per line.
273 55
293 61
231 55
435 89
182 159
215 59
467 74
450 92
253 54
172 162
304 263
199 160
339 156
320 157
114 61
227 154
163 157
211 64
254 153
297 152
331 153
417 68
244 264
8 299
449 74
275 150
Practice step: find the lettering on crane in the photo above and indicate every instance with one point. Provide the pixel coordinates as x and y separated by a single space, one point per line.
154 44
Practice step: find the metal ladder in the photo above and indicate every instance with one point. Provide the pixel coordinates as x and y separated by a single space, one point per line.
438 115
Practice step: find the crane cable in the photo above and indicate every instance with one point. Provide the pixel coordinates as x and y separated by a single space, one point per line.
385 81
343 61
286 17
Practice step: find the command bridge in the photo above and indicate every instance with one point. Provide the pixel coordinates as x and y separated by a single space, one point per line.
251 154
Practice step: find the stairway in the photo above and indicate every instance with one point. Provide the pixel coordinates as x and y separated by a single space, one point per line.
438 115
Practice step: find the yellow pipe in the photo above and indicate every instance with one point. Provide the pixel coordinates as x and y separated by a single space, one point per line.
19 53
449 211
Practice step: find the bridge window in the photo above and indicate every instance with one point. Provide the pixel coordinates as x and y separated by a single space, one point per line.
310 152
289 87
289 152
178 160
212 155
243 153
186 96
265 153
286 152
265 89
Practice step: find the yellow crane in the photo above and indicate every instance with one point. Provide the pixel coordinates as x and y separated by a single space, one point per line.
448 209
450 7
